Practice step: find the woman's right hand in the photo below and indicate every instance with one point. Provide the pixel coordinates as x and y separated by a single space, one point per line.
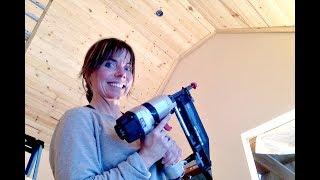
156 143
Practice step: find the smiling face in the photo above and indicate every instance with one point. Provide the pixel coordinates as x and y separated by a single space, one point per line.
113 79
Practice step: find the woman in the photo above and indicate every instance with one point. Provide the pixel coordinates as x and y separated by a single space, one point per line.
85 144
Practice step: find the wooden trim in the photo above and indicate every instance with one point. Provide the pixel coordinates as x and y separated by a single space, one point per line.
279 29
246 136
272 124
249 157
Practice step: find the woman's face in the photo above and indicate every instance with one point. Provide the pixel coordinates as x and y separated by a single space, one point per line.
113 79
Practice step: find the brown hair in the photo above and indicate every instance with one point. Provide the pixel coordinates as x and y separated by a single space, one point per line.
97 54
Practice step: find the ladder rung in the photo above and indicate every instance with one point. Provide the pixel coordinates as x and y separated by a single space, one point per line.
38 4
32 16
27 34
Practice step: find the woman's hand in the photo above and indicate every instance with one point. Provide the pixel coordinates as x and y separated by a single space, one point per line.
156 144
172 156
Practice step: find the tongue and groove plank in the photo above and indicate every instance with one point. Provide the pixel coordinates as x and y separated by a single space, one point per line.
276 12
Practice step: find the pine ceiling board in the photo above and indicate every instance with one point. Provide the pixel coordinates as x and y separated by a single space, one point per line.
37 111
38 79
77 23
105 17
42 111
37 118
275 12
150 58
149 25
178 17
147 46
217 14
146 63
41 80
43 118
40 117
30 130
39 127
190 19
38 134
58 43
288 8
55 73
53 106
53 56
245 12
148 77
162 27
61 100
69 32
90 17
198 16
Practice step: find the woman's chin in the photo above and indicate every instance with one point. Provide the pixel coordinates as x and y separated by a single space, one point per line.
115 96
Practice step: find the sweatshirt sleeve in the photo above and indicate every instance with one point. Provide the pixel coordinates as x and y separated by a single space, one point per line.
74 154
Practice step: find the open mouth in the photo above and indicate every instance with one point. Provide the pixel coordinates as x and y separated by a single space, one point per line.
118 85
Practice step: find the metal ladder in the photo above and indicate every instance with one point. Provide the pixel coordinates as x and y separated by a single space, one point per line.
29 33
33 146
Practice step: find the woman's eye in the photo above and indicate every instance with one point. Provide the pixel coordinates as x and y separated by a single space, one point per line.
111 65
128 68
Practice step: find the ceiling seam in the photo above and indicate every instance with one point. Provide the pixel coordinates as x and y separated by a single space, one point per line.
232 11
138 29
259 14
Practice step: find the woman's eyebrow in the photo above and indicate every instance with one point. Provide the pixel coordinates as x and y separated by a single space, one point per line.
111 59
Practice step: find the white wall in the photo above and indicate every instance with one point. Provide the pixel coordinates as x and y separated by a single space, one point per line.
243 81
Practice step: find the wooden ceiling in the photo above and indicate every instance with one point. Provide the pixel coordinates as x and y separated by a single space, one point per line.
59 32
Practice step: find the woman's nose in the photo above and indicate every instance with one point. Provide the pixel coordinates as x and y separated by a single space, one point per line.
120 72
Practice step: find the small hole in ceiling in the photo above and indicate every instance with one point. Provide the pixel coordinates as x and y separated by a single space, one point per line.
159 12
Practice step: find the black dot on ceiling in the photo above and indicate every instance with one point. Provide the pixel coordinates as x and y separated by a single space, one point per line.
159 13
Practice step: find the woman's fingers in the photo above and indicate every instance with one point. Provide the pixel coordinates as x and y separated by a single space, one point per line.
167 138
163 122
173 154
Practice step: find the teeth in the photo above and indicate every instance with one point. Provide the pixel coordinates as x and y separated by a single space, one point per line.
116 85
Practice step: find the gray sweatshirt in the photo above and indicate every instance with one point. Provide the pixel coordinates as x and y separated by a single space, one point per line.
85 145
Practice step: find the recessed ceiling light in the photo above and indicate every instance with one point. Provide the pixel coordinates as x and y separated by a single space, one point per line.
159 12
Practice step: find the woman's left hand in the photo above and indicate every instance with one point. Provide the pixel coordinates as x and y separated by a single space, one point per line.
173 155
